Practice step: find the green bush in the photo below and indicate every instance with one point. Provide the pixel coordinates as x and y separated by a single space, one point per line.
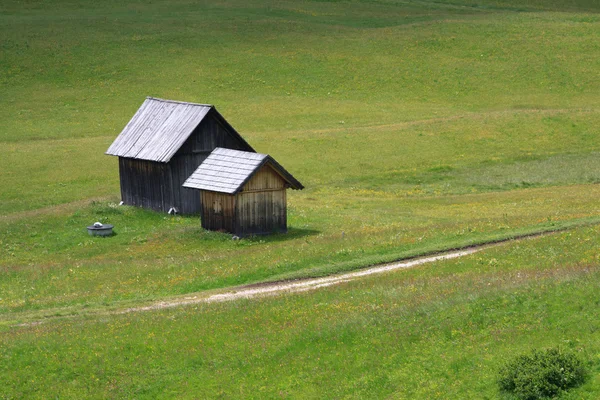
542 374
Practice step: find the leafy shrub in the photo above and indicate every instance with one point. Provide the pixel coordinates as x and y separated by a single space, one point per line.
542 374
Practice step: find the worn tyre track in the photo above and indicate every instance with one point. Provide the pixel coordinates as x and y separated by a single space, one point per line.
302 285
267 289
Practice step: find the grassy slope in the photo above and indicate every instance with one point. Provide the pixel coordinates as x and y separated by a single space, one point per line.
79 72
402 123
50 262
414 125
438 331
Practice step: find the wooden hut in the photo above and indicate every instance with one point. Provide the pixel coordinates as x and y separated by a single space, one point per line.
162 146
242 193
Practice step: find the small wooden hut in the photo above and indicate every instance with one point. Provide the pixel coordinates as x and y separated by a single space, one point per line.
162 146
242 193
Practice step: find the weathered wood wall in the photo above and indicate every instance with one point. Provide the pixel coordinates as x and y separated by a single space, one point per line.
261 205
158 186
264 179
261 212
143 183
218 211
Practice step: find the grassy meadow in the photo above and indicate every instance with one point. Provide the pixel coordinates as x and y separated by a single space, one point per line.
435 332
416 126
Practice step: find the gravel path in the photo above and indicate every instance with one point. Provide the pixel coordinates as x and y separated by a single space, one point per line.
295 286
302 285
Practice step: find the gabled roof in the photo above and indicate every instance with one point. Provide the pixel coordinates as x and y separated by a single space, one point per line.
227 171
159 128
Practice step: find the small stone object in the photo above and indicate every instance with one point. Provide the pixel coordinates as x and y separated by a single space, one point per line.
99 229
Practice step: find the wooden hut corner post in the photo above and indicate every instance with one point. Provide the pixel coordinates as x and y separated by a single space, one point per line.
242 193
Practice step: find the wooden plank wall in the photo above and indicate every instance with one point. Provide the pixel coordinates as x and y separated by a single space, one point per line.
211 133
264 179
158 186
144 183
181 167
261 212
261 205
218 211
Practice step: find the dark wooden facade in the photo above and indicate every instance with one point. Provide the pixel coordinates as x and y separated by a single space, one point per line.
158 185
258 208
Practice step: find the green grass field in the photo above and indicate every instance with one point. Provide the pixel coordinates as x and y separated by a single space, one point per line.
416 126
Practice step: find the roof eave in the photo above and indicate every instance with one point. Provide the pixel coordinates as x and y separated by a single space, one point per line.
138 158
294 183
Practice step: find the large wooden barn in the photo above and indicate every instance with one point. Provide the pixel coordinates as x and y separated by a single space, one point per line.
242 192
162 146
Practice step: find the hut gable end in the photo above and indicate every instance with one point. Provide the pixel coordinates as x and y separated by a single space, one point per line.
265 179
211 133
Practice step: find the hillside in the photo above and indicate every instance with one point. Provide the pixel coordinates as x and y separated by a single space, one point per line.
416 126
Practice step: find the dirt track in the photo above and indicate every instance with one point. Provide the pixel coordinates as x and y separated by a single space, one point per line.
271 289
285 287
303 285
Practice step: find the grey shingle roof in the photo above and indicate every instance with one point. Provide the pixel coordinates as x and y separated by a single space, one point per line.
226 171
158 129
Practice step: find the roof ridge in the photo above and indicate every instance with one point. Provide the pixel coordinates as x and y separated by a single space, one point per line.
179 102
